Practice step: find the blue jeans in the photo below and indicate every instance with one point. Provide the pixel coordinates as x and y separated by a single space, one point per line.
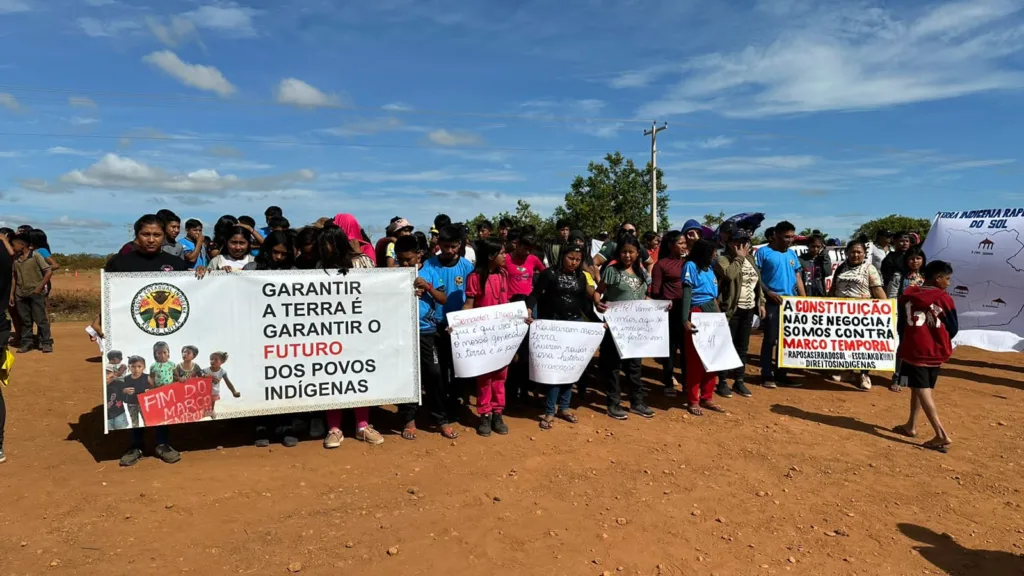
139 438
770 328
557 394
119 422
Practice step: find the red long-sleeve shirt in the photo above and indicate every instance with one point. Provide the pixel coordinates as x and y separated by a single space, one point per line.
929 322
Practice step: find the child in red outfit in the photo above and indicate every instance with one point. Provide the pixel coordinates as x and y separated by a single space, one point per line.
929 321
487 285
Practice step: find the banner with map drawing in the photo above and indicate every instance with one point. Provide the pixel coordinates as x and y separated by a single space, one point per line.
180 350
986 251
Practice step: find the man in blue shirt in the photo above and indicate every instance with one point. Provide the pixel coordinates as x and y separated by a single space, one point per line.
271 212
451 271
780 276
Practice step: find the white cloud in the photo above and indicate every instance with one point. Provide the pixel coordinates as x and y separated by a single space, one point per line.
177 31
295 92
97 28
855 57
441 175
64 151
198 76
745 163
716 142
114 172
9 101
10 154
98 3
642 77
80 121
227 18
14 6
443 137
397 107
81 102
67 222
370 126
966 164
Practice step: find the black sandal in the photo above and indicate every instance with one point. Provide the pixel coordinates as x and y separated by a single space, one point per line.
568 416
713 407
546 424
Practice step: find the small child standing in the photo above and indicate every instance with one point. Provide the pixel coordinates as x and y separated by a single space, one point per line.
32 274
136 381
929 321
161 373
486 286
219 374
188 368
115 366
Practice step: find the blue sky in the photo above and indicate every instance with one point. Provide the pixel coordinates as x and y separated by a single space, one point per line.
824 113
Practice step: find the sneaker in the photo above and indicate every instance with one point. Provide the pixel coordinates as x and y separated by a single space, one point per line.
740 388
837 377
262 437
617 412
131 457
671 392
785 382
641 410
769 384
722 389
317 428
484 427
498 424
370 436
47 348
26 348
3 457
333 439
167 454
865 382
288 435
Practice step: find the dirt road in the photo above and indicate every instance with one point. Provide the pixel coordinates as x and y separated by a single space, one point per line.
804 481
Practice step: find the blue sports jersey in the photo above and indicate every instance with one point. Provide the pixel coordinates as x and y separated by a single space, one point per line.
428 306
778 270
452 282
703 282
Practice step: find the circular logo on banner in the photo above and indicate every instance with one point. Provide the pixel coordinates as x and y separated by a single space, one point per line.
160 309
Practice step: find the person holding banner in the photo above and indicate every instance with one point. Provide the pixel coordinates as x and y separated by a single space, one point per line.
488 286
667 284
912 274
561 293
780 276
700 294
857 278
340 252
149 257
430 291
741 297
624 280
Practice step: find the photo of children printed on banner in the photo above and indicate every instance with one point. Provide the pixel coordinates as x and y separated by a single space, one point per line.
143 394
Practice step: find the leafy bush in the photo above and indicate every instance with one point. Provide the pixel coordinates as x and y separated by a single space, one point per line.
74 305
80 261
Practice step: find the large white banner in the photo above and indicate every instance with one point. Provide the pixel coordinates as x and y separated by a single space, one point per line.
639 328
486 339
560 351
178 349
713 342
986 251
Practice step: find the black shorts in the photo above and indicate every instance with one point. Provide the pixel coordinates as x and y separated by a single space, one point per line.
918 376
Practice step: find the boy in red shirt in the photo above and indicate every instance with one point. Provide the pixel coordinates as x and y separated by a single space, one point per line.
928 317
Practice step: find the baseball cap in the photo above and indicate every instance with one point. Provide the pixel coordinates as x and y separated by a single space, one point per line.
398 225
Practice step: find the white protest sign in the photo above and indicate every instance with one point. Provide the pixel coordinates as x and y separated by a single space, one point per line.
713 342
257 343
639 328
560 351
486 339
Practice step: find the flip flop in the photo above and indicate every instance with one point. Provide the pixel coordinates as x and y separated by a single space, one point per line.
449 432
941 448
409 433
713 407
568 417
902 431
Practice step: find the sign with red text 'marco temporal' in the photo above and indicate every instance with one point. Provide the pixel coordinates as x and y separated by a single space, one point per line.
837 334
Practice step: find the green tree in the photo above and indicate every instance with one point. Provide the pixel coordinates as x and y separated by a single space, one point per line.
809 231
612 192
525 215
712 221
894 223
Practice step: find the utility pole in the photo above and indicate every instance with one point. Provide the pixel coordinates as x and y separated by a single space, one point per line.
653 133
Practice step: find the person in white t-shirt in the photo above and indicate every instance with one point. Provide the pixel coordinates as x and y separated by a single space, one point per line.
237 251
879 249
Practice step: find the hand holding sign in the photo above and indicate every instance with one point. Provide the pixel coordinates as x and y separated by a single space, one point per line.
639 328
713 342
561 351
486 339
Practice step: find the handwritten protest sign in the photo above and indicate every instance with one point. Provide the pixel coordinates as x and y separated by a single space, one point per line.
285 341
177 403
486 339
560 351
713 342
639 328
838 334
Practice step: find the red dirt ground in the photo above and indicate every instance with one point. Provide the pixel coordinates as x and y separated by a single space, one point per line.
805 481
